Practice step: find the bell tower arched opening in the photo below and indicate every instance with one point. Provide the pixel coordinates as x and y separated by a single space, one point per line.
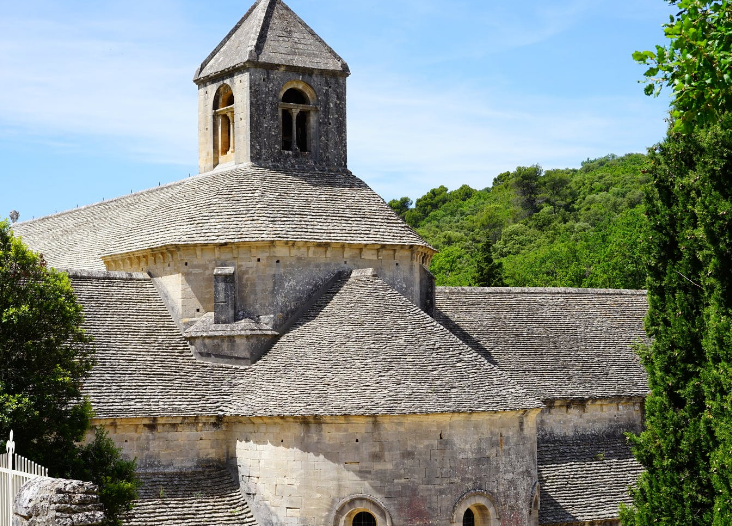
297 117
223 125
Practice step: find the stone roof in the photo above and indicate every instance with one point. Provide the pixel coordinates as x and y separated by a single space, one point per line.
558 343
364 349
584 477
242 204
271 34
144 367
209 497
361 349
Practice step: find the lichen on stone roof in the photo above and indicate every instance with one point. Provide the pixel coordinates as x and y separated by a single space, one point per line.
144 366
584 477
243 204
558 343
271 34
207 497
364 349
360 349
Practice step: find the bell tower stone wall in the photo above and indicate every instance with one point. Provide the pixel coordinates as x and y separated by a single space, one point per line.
258 126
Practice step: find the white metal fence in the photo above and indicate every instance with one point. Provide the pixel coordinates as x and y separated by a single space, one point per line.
14 472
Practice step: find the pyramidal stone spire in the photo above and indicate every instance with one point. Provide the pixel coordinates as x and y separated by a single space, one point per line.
271 34
272 93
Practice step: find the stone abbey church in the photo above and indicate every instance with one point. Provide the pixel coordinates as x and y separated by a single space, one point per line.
273 350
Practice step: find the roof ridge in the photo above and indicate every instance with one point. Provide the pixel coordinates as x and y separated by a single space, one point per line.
545 290
100 274
114 199
312 32
226 39
358 276
261 33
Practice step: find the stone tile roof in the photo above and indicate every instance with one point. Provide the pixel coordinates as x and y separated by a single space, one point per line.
558 343
144 367
364 349
242 204
208 497
584 477
361 349
270 33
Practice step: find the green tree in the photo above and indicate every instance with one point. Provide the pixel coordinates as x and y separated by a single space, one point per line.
687 445
452 267
46 356
401 206
696 64
426 204
488 273
99 462
526 183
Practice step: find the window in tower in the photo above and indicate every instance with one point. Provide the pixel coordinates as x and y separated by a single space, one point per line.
297 116
223 125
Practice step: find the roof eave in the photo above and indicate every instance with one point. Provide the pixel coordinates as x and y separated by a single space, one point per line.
199 79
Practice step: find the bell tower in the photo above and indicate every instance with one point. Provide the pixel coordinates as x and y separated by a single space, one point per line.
272 93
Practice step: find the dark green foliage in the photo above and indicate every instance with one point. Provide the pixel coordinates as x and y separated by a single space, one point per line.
401 206
425 205
45 357
488 273
559 228
696 64
687 445
100 462
527 183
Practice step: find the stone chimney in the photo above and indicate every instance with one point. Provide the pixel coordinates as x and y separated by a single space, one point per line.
224 295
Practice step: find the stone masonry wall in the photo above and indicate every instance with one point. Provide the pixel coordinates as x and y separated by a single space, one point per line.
172 444
296 472
273 279
257 128
266 135
590 417
57 502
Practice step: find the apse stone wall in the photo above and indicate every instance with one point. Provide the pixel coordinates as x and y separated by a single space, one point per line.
274 280
298 471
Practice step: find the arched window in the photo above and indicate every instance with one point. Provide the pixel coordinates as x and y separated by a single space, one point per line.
361 510
297 116
224 125
476 508
364 518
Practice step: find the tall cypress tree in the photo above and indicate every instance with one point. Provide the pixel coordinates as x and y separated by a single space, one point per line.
488 273
686 204
686 447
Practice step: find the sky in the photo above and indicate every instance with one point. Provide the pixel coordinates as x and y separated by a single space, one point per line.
97 98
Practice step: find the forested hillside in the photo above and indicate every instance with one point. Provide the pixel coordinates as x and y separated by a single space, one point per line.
534 228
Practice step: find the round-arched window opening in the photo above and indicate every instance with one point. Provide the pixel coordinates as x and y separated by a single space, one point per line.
224 97
298 117
364 518
475 508
295 96
223 118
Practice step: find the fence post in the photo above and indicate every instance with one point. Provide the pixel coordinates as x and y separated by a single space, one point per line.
8 497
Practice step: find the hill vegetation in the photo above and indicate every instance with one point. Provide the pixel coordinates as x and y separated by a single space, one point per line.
533 228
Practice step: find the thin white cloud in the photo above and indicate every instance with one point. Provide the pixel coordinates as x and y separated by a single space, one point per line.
97 77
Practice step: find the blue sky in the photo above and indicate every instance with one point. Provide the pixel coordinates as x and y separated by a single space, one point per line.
96 97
